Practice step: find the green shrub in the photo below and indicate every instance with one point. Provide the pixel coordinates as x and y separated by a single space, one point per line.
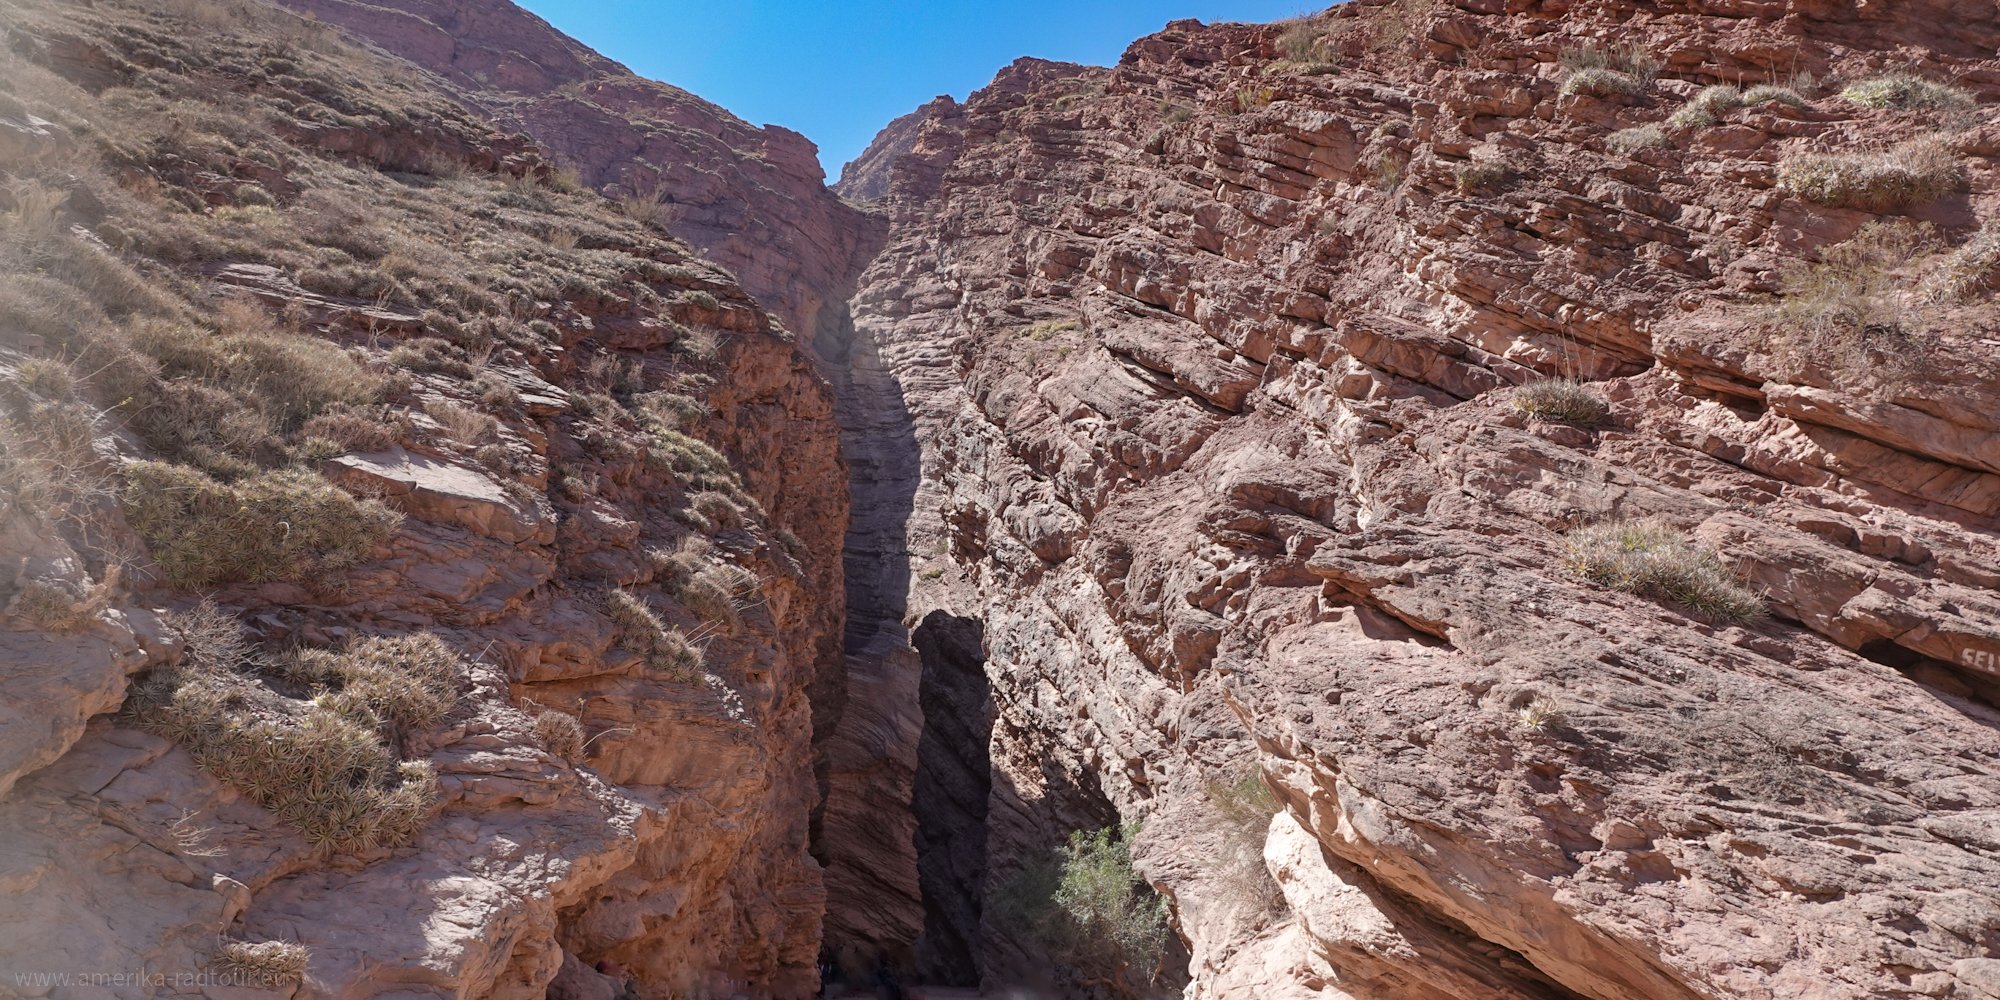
1916 172
1707 107
1901 90
1093 913
1846 313
409 681
284 525
1562 399
1638 137
1653 558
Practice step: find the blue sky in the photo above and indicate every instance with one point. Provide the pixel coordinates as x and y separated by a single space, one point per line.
839 71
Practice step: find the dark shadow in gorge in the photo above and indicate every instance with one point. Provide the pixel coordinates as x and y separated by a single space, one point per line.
954 778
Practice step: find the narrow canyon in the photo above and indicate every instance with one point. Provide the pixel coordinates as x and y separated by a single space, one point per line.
1426 500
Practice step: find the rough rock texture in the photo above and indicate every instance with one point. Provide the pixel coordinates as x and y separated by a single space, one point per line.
754 198
672 846
867 177
1211 433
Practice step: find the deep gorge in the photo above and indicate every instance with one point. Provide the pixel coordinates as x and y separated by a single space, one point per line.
1150 448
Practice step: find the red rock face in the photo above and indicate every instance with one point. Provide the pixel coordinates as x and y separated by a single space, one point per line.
754 198
1204 378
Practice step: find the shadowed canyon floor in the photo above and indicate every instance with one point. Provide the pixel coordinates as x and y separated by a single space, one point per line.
1496 500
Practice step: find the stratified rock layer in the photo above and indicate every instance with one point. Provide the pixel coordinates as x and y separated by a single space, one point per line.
1209 361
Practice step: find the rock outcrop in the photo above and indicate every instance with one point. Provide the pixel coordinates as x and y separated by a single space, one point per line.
1210 359
612 488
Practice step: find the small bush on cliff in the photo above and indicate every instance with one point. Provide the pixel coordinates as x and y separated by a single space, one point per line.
1092 912
1967 271
642 632
1707 107
284 525
1916 172
1765 93
1638 137
1242 806
1476 176
561 734
1901 90
61 607
1633 61
323 766
1254 98
1653 558
1853 311
1600 81
1561 399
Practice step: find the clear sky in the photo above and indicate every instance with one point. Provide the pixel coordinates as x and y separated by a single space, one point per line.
839 71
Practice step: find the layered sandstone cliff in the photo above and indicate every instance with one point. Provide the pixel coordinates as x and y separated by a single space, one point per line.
418 400
1208 362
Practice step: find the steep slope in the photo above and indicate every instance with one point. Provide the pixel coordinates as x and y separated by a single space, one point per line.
754 200
461 551
1215 375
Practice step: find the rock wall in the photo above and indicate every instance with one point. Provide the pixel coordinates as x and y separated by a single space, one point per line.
1210 359
666 853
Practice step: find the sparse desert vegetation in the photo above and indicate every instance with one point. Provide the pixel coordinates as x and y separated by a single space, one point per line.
1654 558
1854 312
1903 90
1566 400
1915 172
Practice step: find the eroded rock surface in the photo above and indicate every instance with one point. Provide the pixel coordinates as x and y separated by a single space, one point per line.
1211 364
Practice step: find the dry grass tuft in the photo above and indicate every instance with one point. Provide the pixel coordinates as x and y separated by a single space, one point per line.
561 734
1633 62
1541 716
284 525
1916 172
1600 81
465 426
1852 312
642 632
1254 98
1561 399
1638 137
1242 806
61 607
1650 557
323 766
1967 271
1765 93
1706 107
1478 175
1901 90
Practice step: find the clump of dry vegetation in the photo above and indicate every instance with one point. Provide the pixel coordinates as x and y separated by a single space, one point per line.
1561 399
1902 90
283 525
561 734
1654 558
324 764
1541 716
1242 806
1915 172
1967 271
1254 98
1859 309
1307 45
1478 175
1707 107
1638 137
665 649
1590 67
